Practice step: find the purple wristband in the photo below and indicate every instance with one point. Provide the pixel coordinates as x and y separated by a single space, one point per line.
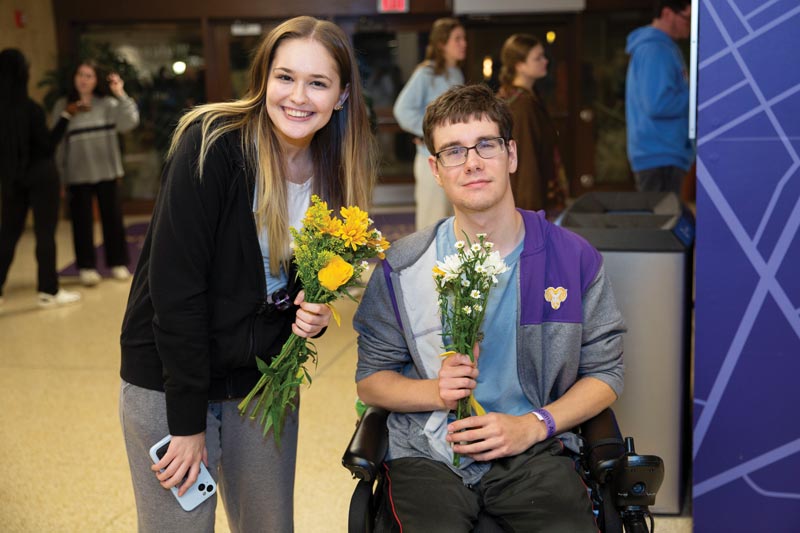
545 416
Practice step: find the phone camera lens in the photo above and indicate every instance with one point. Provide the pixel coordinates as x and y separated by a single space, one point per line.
211 488
201 487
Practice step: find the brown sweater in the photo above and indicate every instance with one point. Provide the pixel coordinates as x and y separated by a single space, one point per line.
536 137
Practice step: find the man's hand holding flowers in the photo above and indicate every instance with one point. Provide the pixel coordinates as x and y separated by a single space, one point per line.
457 378
494 435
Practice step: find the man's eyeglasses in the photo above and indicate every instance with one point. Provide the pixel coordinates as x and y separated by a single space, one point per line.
457 155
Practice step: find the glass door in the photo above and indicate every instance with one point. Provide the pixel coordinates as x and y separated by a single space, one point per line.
163 68
602 161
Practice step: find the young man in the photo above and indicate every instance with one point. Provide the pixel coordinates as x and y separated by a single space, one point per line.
542 367
657 99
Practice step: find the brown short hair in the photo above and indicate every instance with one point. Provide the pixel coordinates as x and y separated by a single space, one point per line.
462 103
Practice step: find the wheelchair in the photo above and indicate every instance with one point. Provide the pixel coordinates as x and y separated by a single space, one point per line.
622 484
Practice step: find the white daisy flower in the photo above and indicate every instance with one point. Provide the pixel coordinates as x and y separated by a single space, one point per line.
451 266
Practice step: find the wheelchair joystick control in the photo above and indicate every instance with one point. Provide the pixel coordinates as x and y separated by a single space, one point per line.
629 447
635 481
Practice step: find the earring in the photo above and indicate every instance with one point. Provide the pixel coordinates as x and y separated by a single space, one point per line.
337 107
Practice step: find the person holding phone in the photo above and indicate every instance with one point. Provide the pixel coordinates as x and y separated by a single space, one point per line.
214 287
91 165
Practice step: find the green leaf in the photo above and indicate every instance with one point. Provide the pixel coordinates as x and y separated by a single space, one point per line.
262 365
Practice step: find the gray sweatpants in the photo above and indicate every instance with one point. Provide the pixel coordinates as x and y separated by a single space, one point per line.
255 477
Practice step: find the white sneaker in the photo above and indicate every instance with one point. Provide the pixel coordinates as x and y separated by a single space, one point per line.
89 277
120 273
62 297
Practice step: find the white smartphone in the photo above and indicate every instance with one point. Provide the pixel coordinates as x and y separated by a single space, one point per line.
203 488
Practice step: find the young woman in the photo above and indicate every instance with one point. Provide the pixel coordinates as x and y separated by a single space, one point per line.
209 290
91 164
539 181
447 46
29 178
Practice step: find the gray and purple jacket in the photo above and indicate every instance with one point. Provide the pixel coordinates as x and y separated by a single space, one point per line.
559 339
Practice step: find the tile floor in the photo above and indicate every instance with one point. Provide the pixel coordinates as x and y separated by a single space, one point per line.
62 462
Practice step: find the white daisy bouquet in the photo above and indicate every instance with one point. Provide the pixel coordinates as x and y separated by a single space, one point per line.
463 281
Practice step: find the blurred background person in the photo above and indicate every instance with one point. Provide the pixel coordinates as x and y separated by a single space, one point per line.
657 99
90 162
29 178
540 181
447 46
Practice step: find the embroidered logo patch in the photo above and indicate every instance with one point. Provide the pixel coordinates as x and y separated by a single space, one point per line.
555 296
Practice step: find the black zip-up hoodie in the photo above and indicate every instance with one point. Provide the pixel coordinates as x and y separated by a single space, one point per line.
197 314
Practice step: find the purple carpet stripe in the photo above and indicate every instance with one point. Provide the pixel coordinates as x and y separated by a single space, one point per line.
134 234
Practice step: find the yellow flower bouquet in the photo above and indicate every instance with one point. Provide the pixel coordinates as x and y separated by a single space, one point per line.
330 254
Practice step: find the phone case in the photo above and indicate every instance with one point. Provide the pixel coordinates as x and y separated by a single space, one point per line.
200 491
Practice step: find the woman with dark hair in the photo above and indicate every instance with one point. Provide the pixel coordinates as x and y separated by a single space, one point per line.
28 178
539 182
447 46
91 164
214 287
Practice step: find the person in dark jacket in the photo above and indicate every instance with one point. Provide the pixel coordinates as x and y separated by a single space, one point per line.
539 182
209 290
28 178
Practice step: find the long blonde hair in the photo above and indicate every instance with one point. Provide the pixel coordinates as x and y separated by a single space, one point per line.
440 34
343 151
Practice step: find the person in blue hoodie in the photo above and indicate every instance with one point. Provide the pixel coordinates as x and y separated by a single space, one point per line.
657 99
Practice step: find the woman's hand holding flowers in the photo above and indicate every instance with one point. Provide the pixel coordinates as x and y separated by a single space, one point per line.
311 318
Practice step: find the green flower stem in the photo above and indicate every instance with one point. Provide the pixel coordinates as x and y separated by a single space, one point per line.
273 400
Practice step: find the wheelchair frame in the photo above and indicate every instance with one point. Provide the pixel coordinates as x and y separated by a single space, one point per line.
622 484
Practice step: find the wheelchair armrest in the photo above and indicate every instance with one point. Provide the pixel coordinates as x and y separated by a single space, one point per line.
603 444
368 445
